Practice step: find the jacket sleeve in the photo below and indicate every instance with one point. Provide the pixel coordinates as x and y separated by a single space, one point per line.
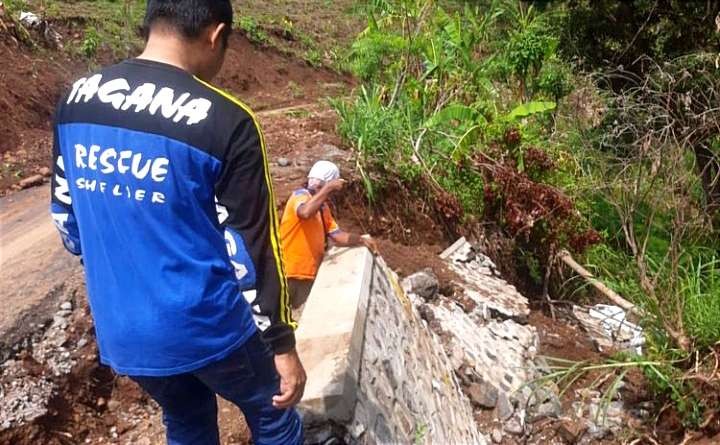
61 203
246 208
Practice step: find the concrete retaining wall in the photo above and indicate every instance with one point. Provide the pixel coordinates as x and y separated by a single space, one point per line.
373 366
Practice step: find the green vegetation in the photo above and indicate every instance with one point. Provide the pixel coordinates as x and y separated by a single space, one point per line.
252 29
597 32
463 101
316 31
107 28
90 43
505 114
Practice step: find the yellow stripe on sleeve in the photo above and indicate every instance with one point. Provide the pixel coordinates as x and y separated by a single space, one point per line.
285 312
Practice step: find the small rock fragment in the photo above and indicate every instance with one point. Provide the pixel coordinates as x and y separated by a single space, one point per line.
283 162
497 435
513 426
504 407
113 405
483 394
31 181
46 172
571 430
547 409
330 151
66 306
356 429
424 284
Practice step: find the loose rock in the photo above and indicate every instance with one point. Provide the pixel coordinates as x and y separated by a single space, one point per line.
547 409
513 426
113 405
424 284
31 181
504 407
283 162
497 435
571 430
483 395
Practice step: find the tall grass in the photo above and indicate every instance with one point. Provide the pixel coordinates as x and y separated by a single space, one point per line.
700 284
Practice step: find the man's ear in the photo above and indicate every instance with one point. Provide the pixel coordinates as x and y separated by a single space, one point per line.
216 35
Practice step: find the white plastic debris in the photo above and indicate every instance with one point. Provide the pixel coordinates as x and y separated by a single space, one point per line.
610 328
29 19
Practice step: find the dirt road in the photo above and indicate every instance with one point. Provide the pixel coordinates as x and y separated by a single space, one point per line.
33 263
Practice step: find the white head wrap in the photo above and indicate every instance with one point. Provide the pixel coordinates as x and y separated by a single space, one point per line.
324 171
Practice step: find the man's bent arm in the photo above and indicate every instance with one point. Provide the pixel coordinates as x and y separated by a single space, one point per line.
245 198
309 209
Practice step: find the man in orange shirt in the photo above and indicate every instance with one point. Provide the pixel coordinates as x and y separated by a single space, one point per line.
306 224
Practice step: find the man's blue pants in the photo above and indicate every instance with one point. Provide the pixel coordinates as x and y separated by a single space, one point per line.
247 378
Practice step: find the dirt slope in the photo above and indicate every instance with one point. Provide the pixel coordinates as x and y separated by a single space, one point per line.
33 264
30 85
268 79
32 80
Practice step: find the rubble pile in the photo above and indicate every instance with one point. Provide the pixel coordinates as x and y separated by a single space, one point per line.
494 353
28 380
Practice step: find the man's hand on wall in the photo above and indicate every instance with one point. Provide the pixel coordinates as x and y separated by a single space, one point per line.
370 243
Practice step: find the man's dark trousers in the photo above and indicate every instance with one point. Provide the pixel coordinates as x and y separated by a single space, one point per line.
247 377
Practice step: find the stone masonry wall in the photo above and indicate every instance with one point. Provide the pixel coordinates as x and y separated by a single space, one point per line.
407 391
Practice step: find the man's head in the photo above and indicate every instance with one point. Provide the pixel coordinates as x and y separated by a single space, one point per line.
321 173
203 27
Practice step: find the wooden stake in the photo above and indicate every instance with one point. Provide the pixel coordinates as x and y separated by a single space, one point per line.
602 288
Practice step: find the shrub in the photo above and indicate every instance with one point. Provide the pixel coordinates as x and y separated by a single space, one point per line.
90 43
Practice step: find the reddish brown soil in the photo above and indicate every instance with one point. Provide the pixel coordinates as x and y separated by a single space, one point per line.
560 339
707 440
266 78
30 84
79 410
399 214
33 80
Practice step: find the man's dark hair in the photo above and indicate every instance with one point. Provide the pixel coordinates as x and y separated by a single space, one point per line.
188 17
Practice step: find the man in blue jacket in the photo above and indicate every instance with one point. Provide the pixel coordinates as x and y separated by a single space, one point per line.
161 183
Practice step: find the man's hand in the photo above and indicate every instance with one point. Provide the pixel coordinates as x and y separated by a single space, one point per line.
292 380
310 208
370 243
336 185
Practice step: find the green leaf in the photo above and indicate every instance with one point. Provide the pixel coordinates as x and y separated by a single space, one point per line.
452 112
464 145
530 109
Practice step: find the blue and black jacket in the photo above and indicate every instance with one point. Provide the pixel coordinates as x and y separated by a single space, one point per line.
161 183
